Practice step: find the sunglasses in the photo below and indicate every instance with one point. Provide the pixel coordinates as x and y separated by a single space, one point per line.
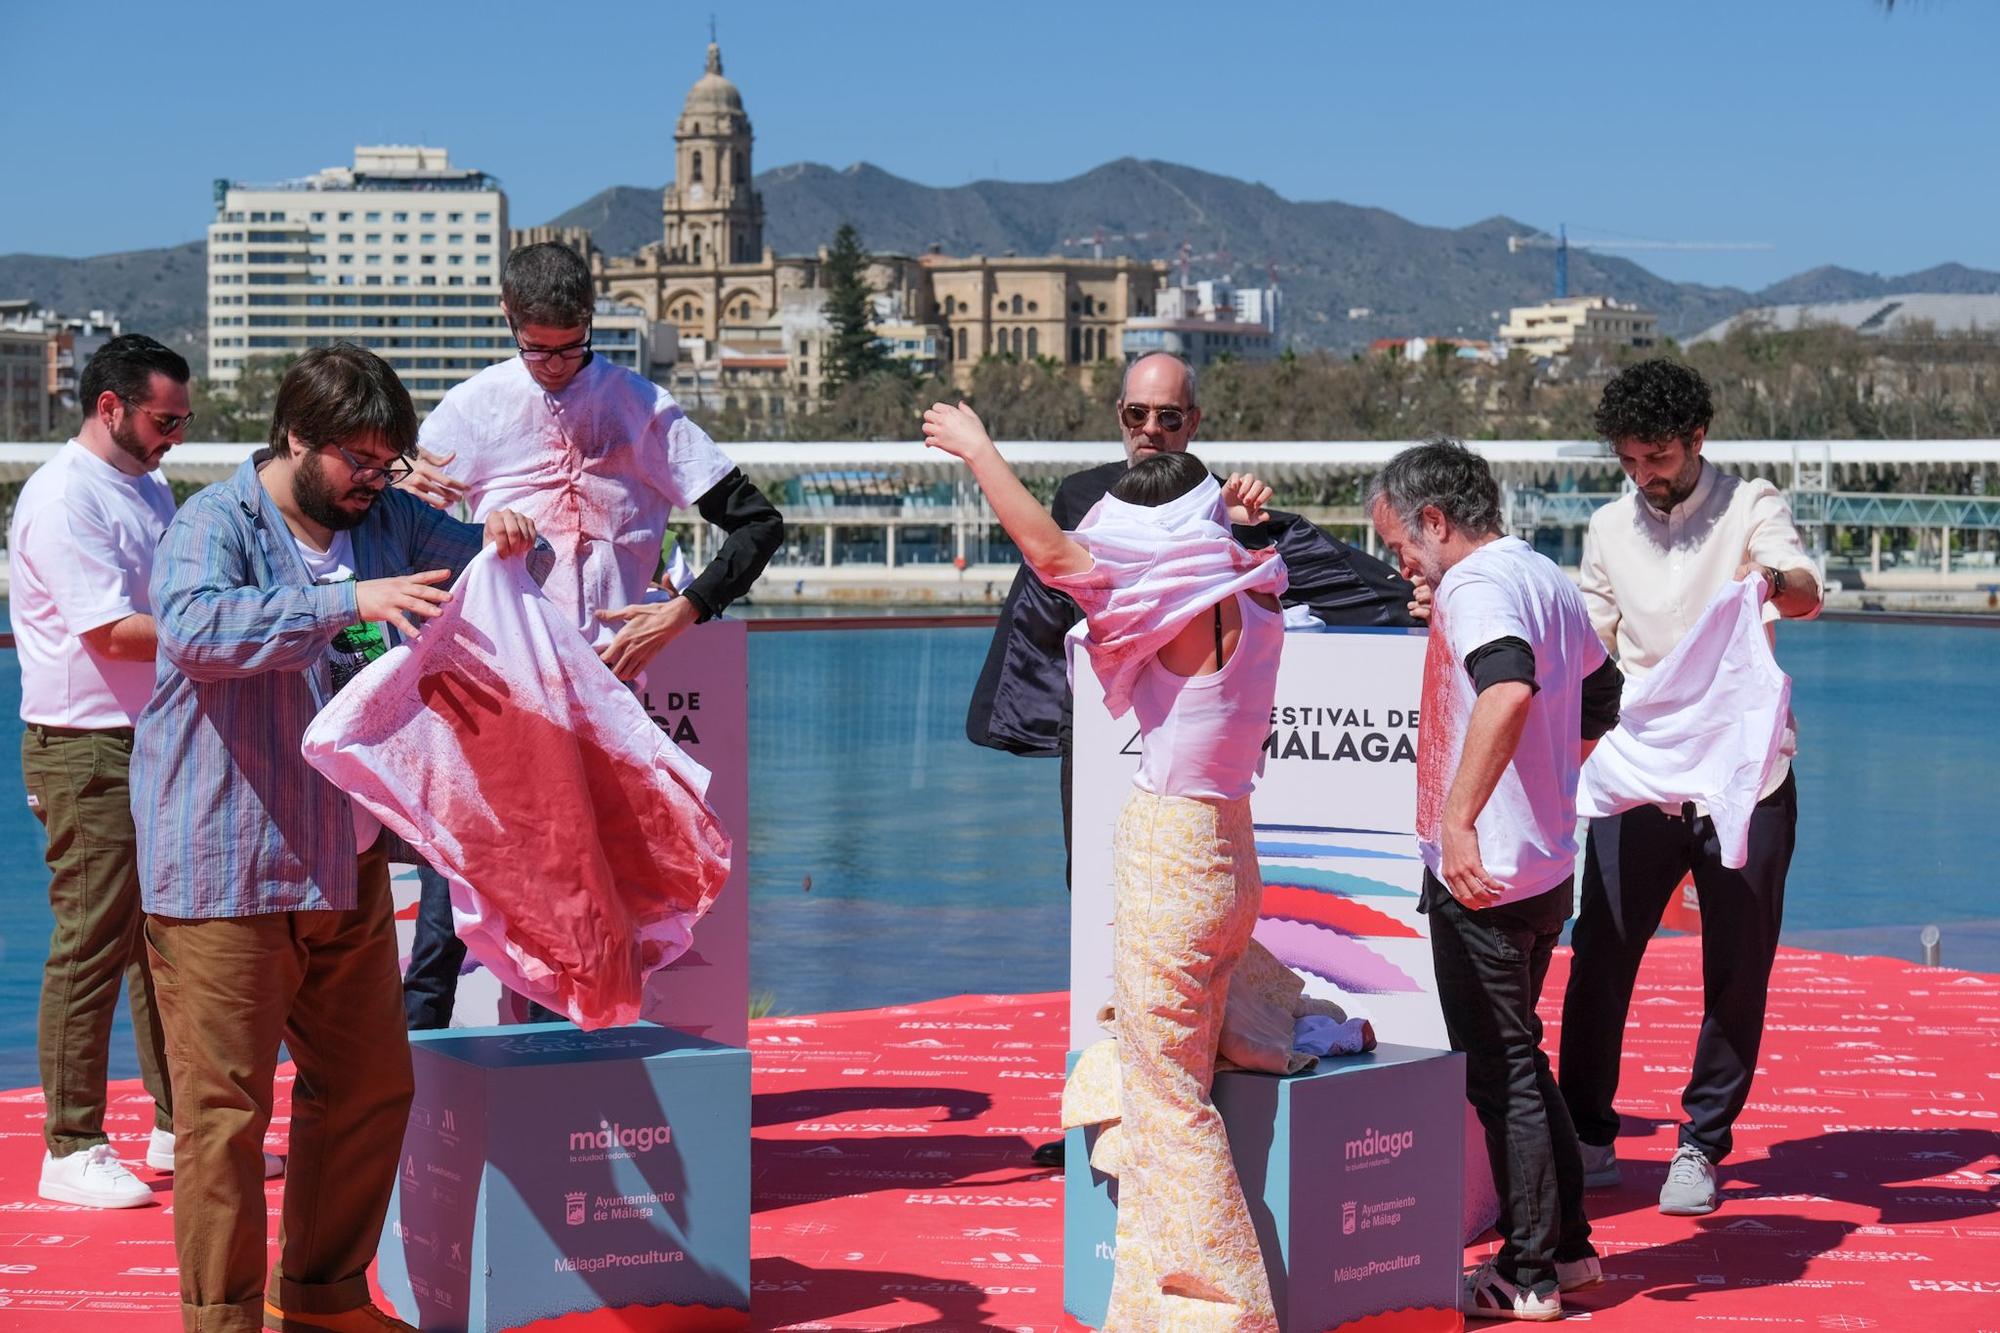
1135 415
164 422
367 472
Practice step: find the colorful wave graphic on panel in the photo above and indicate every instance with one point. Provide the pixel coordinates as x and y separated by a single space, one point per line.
1324 916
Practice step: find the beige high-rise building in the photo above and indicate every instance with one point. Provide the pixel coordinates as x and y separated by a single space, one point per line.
400 252
1562 326
751 323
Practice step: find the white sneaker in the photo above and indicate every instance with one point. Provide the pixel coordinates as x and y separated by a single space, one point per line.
160 1155
1487 1295
1600 1165
1579 1274
94 1178
1690 1187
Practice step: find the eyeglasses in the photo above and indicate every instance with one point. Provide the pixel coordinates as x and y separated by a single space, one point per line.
538 355
1135 415
367 472
164 422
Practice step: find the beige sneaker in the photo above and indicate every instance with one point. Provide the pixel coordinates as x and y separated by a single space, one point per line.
93 1178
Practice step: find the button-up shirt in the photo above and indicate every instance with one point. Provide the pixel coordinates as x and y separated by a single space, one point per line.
231 819
1647 575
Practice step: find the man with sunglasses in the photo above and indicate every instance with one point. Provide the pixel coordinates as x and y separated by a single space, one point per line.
1021 703
600 457
82 540
266 888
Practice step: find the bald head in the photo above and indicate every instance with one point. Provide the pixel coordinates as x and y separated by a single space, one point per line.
1156 406
1160 372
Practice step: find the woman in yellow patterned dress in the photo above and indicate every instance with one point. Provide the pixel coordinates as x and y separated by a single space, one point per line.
1185 631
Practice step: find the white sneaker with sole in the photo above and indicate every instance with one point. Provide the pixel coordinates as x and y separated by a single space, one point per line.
94 1178
1579 1274
160 1156
1690 1187
1487 1295
1600 1165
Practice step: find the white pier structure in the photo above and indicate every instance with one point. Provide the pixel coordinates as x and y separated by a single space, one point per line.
897 505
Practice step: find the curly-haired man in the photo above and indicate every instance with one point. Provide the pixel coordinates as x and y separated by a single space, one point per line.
1651 563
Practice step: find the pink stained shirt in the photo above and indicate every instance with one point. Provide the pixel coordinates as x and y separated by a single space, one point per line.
599 467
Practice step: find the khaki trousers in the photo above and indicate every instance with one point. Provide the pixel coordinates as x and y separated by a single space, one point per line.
230 990
77 785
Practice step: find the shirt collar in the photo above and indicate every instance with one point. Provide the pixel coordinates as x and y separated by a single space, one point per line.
1704 486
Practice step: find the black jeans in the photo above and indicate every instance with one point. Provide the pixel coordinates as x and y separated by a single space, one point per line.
1490 967
1632 864
436 955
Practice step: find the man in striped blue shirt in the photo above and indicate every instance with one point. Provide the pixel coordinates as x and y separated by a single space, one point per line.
266 888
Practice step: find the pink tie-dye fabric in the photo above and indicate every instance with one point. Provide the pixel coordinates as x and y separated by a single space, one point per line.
1153 569
576 836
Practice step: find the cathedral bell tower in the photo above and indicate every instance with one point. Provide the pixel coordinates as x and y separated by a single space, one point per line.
712 215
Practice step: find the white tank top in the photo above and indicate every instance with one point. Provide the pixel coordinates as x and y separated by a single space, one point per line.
1203 736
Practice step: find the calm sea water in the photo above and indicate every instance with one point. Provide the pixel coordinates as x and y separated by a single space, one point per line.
893 861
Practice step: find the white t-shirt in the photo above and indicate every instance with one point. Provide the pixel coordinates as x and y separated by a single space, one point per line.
82 544
1527 832
351 650
599 467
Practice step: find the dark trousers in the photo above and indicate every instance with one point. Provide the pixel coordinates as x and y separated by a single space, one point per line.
436 954
430 986
1490 967
1632 864
77 785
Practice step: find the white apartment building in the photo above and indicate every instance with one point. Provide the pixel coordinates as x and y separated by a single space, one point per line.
1559 327
1206 322
400 252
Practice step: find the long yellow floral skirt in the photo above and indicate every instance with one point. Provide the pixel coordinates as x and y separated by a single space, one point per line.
1187 894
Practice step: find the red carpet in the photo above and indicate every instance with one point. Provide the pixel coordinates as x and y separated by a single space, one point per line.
893 1189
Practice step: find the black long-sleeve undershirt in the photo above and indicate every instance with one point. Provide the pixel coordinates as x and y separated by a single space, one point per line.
754 531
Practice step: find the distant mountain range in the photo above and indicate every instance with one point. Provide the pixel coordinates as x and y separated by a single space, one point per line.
1329 257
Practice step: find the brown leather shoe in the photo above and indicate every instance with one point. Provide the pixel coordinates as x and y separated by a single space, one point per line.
361 1319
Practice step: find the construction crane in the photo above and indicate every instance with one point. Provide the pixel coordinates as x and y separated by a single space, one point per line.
1098 237
1561 243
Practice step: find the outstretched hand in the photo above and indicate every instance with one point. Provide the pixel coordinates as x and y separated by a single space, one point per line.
956 430
429 482
405 601
644 628
1246 497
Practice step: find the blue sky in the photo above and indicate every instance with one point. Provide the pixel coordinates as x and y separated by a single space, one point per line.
1833 131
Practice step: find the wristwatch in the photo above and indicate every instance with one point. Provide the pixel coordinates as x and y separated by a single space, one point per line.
1777 582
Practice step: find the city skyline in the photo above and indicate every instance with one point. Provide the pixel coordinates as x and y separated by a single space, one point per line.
1830 130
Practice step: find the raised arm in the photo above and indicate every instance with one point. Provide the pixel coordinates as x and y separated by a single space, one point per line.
1049 550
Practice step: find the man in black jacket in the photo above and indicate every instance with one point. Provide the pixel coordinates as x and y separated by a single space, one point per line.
1022 701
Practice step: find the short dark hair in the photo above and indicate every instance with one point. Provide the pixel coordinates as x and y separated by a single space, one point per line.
1654 402
1443 474
547 284
341 392
126 366
1159 480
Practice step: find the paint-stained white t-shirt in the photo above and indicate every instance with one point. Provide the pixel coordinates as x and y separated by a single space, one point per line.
599 467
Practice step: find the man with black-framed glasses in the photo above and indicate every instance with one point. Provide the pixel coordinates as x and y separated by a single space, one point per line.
600 457
266 887
1022 701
